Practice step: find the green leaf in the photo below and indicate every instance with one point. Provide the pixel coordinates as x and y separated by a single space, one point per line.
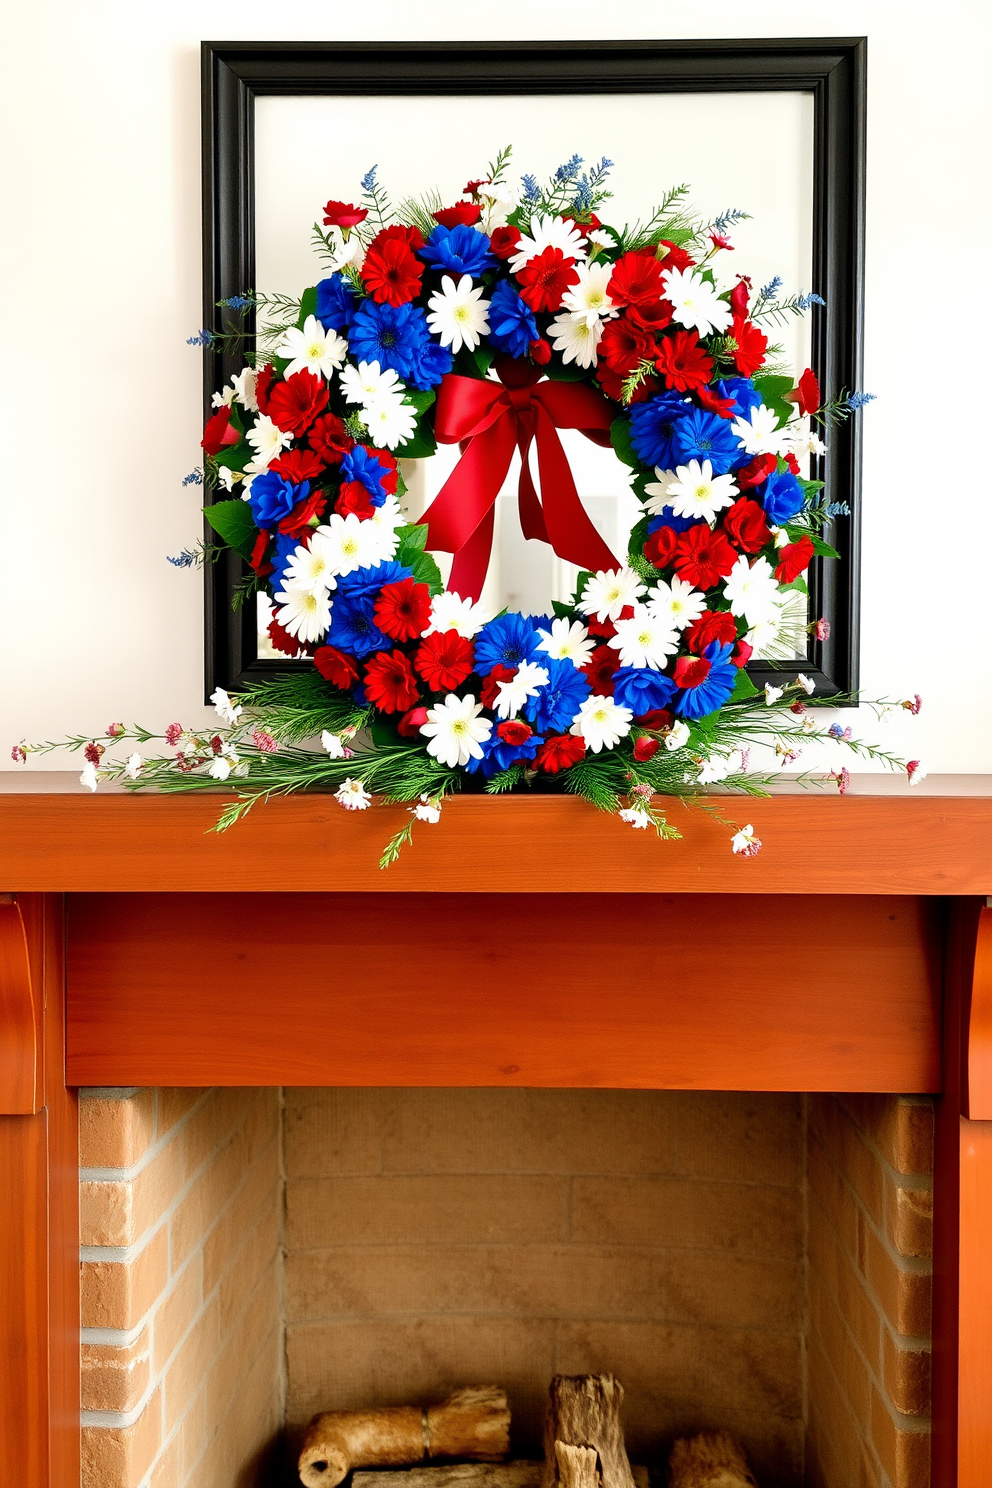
743 687
233 521
561 611
772 387
798 584
412 537
420 444
482 359
620 439
308 306
556 371
425 571
809 487
420 399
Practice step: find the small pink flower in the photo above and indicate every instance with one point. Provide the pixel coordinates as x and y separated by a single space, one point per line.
264 741
19 754
115 730
843 779
217 744
821 629
719 241
913 704
798 706
93 753
184 764
915 772
173 734
745 844
643 790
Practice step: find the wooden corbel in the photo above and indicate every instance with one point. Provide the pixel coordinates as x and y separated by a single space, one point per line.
977 1103
21 1092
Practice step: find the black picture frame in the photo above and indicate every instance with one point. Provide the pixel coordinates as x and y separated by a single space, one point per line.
833 69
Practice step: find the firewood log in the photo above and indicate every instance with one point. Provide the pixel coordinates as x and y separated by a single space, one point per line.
584 1411
577 1466
518 1474
710 1460
474 1422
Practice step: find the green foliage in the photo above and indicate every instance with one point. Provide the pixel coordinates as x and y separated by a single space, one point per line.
308 306
743 687
620 440
233 521
411 553
771 389
496 169
671 219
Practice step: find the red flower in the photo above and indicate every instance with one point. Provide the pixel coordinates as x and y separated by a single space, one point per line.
657 718
703 557
263 381
298 465
560 752
295 403
335 666
390 683
514 731
807 394
299 522
411 236
471 187
503 241
676 257
282 640
690 671
540 352
257 559
683 363
757 471
740 295
624 345
391 273
605 629
612 384
444 660
600 668
651 318
645 749
794 559
403 609
792 462
722 407
712 625
354 501
545 279
410 724
342 214
745 525
751 345
719 241
490 684
219 433
660 547
462 214
636 280
743 653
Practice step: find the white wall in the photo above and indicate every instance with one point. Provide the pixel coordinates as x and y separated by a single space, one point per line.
101 399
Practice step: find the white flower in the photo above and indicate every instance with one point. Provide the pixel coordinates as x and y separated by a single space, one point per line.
807 684
759 433
366 381
458 313
310 568
609 591
765 632
598 238
678 735
332 743
657 491
695 303
635 816
225 479
752 590
772 694
341 251
497 202
676 602
350 543
268 441
352 795
527 683
305 613
576 339
227 711
588 300
915 772
455 731
244 389
646 640
222 400
426 809
313 349
805 440
221 768
387 518
390 420
451 612
717 767
697 492
567 640
134 766
548 232
745 842
602 723
89 776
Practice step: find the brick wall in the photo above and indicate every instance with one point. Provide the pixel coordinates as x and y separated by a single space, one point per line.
437 1238
180 1230
870 1231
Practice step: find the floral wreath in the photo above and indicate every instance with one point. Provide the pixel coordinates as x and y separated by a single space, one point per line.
493 324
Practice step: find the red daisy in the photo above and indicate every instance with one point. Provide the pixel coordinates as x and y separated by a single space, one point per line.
444 660
751 345
691 671
282 640
544 280
722 407
335 666
676 257
298 465
636 280
391 273
560 752
329 440
755 471
462 214
683 363
703 557
390 683
295 403
623 345
403 609
263 381
343 214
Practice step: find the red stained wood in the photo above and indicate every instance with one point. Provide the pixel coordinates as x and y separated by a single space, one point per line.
20 1018
530 844
24 1301
978 1104
975 1310
682 991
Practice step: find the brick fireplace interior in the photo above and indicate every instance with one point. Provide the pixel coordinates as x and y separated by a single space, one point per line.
754 1262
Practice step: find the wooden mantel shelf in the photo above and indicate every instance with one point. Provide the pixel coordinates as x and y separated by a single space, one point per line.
812 845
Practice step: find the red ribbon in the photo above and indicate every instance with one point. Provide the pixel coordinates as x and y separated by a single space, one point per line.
491 420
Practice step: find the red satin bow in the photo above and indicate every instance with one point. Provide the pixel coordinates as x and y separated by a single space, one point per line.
495 418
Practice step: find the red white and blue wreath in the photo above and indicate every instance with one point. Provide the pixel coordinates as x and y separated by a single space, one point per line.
493 324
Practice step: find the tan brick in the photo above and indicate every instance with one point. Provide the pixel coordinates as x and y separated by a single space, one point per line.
218 1182
156 1188
909 1219
691 1213
902 1294
215 1121
743 1137
257 1322
830 1201
904 1454
119 1457
114 1295
105 1212
901 1127
906 1377
846 1149
189 1367
114 1379
258 1192
115 1133
173 1105
176 1311
833 1274
257 1254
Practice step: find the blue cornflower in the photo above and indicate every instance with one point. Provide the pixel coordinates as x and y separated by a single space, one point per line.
706 436
353 628
697 702
362 466
642 690
273 497
392 335
667 518
512 326
782 497
556 704
363 581
282 550
431 363
743 393
458 250
336 303
507 641
652 427
497 754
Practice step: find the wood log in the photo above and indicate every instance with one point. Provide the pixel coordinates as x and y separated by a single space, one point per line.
473 1422
710 1460
584 1411
519 1474
577 1466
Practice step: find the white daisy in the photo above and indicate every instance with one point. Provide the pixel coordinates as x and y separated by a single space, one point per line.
268 441
244 389
222 400
804 439
527 683
567 640
388 516
752 590
697 492
602 723
310 567
599 238
609 591
695 303
221 768
390 420
657 491
764 633
352 795
313 349
759 433
646 640
678 735
332 743
576 339
227 711
589 300
455 730
676 602
548 232
459 315
351 543
305 613
367 381
451 612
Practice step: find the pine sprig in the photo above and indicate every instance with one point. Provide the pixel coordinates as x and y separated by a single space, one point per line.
496 169
671 219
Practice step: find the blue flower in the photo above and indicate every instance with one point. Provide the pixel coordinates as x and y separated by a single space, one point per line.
742 392
392 335
697 702
336 303
498 755
353 628
512 326
363 581
362 466
431 362
642 690
506 641
556 704
781 495
458 250
272 497
707 436
652 427
667 518
282 550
